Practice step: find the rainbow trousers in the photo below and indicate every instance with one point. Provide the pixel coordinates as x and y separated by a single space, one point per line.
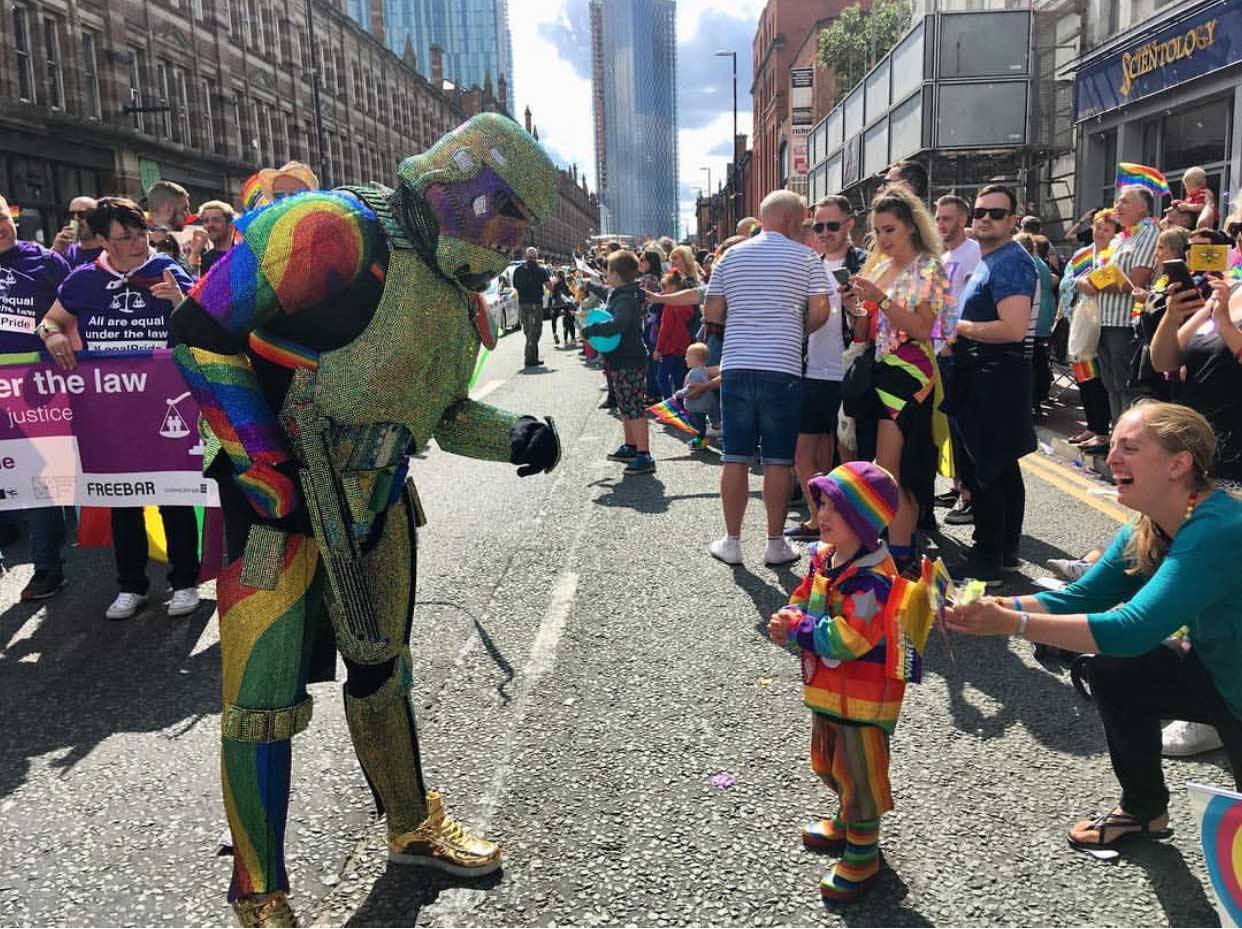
273 603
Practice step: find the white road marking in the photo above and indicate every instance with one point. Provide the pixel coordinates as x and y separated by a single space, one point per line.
486 389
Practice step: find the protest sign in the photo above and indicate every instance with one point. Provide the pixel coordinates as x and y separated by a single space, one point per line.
117 430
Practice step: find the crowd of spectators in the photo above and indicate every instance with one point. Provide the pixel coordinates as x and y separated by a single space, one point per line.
109 283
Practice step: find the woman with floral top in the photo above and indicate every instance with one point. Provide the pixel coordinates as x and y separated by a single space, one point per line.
905 291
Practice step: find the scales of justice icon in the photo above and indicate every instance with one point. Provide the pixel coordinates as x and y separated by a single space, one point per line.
174 425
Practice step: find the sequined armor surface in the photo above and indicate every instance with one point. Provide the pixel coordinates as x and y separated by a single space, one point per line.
334 340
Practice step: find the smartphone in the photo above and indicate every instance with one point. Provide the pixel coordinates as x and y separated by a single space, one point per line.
1178 272
74 226
842 275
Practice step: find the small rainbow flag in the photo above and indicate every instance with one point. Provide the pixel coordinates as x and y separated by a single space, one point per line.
1085 371
1220 830
1081 261
670 413
1144 176
252 194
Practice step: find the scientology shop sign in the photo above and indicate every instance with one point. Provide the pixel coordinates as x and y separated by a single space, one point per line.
119 430
1205 41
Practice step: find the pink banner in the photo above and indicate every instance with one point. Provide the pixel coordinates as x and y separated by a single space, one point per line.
117 430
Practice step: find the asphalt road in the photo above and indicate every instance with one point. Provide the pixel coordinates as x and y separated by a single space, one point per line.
584 669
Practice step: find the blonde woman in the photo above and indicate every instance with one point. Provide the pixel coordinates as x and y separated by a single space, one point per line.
681 259
904 289
1174 566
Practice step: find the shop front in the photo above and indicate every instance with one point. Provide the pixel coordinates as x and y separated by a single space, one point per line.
1168 94
41 176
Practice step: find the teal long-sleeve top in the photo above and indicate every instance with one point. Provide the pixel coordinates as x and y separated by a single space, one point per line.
1198 584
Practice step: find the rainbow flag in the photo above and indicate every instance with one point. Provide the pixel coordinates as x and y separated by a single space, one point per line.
1153 180
1081 262
252 194
1220 830
670 413
1085 371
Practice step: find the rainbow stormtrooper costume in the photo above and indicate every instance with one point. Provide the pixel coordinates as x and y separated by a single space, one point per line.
331 343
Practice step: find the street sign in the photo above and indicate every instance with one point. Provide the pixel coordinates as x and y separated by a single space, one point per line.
148 174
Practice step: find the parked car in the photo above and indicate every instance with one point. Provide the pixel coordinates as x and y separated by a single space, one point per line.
502 305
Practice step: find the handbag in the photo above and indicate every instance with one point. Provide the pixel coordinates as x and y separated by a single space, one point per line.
1084 334
858 386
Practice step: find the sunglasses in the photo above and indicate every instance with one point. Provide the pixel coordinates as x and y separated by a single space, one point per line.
1233 230
994 212
831 227
79 214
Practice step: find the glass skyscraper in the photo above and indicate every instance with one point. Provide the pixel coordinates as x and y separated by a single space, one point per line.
473 36
634 81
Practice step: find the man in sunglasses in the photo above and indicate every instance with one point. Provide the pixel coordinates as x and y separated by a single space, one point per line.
991 401
75 242
824 368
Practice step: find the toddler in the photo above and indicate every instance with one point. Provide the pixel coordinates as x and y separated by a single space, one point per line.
1197 198
701 408
843 621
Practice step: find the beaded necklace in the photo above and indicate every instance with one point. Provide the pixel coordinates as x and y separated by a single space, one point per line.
1190 509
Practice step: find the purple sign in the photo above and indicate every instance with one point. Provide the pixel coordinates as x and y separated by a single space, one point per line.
120 430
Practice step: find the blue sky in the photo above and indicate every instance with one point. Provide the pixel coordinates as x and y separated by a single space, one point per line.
552 71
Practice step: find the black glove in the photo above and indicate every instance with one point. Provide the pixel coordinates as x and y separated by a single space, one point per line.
534 445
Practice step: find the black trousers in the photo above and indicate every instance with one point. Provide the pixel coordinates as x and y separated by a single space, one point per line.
1095 406
1133 696
129 543
999 509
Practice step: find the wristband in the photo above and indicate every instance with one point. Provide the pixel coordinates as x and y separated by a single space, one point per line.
47 328
1023 619
1017 604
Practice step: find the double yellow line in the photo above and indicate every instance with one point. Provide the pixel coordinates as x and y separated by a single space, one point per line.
1078 486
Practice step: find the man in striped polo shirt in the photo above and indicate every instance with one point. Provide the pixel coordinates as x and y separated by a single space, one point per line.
773 290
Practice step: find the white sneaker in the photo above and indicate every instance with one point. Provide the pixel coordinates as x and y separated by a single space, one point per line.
183 602
1182 739
1069 568
713 432
1049 583
728 550
125 606
780 552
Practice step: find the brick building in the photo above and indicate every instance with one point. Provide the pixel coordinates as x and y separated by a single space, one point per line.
236 76
574 219
787 32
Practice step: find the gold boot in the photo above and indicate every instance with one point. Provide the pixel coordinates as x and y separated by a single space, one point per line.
264 910
442 843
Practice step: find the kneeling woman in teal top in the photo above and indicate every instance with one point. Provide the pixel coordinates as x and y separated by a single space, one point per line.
1175 565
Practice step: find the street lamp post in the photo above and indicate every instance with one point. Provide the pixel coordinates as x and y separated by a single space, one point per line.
733 142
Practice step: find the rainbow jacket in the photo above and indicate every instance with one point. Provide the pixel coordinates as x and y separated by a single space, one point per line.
855 658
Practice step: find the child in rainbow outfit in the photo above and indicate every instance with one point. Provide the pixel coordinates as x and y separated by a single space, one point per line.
843 620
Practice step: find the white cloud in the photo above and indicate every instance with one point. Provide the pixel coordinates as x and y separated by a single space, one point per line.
560 99
693 145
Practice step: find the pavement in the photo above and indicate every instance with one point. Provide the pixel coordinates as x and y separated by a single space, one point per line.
584 672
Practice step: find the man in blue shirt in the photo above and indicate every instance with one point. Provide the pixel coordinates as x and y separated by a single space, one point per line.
992 392
29 277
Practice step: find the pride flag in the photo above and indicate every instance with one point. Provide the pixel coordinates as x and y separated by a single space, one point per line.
1153 180
1220 830
1081 261
252 194
670 413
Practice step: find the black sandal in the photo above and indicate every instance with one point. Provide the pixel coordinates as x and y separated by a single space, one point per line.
1117 819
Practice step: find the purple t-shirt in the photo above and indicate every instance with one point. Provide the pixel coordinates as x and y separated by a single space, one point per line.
77 256
29 278
117 312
